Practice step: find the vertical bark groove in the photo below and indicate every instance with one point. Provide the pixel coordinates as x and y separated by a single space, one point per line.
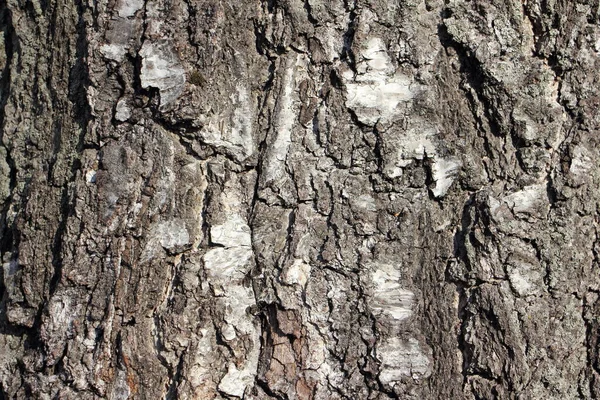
299 199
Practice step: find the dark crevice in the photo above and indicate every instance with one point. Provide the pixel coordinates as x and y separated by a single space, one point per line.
378 149
271 4
174 374
268 85
7 238
175 379
138 90
309 14
66 210
461 255
518 143
184 127
190 28
264 46
79 81
271 54
288 250
265 387
477 78
592 334
348 37
552 58
79 78
269 325
57 41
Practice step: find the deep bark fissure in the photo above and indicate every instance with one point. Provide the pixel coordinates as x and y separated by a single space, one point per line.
298 200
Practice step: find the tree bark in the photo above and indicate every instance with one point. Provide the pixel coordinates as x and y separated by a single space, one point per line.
299 199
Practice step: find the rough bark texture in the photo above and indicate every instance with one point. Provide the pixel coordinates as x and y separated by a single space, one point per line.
299 199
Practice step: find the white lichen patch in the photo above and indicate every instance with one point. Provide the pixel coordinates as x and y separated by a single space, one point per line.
90 176
297 273
233 133
239 324
161 69
226 268
58 324
172 234
518 282
241 130
4 176
202 369
128 8
234 383
525 274
330 39
226 271
61 314
375 92
376 58
228 332
374 98
285 118
412 144
529 128
444 172
13 290
120 388
531 200
122 111
112 51
239 299
401 359
234 232
364 202
317 356
238 377
389 298
226 263
581 161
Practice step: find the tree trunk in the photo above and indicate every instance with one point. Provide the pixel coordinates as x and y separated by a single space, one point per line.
299 199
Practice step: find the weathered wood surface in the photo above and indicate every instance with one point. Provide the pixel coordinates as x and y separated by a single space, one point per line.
299 199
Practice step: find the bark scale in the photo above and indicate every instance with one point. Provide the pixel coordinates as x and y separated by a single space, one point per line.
299 199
